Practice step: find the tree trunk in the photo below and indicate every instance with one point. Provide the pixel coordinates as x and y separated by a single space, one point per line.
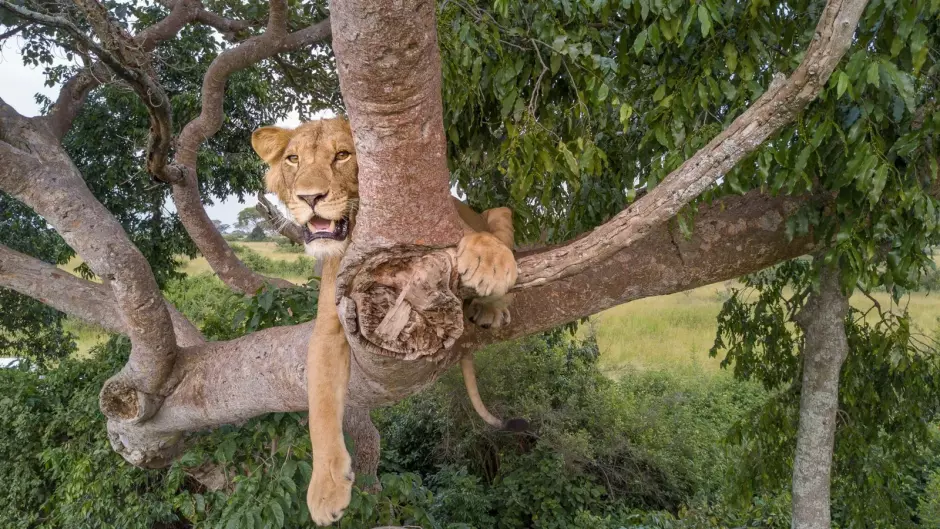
825 348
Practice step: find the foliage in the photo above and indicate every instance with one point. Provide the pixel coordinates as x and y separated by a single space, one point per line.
650 441
223 315
889 400
929 506
28 328
302 266
566 110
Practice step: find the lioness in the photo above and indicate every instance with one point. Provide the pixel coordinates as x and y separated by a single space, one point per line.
313 170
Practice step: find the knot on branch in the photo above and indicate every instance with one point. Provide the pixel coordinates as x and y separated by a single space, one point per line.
121 401
401 301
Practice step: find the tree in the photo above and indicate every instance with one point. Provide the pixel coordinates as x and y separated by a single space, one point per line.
668 128
248 218
219 225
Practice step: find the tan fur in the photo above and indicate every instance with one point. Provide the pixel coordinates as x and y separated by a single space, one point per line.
318 158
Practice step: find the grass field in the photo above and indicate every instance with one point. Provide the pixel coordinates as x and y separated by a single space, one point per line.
671 332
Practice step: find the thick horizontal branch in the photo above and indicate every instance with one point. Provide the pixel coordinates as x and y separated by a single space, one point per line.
227 382
782 102
186 194
88 301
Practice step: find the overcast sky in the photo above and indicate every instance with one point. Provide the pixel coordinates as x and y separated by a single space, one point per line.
19 84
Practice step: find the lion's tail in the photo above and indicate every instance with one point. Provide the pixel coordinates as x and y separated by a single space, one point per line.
470 381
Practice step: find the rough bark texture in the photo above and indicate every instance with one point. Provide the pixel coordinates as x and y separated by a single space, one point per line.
91 302
357 424
825 348
282 224
389 71
36 170
779 105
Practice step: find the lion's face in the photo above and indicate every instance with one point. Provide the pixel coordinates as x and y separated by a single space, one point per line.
314 172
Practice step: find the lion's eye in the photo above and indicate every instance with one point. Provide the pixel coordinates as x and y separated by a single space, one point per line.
342 155
292 159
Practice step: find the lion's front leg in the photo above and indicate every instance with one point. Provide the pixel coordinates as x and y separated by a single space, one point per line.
327 380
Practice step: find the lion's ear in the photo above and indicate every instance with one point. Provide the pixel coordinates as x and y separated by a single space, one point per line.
270 142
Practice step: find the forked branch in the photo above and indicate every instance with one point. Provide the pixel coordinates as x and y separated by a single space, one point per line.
35 169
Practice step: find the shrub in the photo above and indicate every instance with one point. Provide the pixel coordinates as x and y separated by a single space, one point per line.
600 447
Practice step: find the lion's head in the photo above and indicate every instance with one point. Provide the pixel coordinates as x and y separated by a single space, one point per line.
314 172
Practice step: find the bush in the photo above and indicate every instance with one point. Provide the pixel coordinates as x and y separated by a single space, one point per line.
286 245
598 447
929 505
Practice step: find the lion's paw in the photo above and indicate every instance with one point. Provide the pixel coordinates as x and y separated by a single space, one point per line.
490 312
330 489
485 264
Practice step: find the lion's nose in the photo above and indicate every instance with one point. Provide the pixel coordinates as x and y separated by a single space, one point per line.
312 200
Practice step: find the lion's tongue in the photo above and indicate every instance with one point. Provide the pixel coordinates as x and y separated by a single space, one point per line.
320 224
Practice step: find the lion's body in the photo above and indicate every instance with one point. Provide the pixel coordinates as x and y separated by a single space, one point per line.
314 172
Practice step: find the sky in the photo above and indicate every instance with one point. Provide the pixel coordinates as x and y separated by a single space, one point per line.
19 84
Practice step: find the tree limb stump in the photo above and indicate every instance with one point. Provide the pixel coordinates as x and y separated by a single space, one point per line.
401 301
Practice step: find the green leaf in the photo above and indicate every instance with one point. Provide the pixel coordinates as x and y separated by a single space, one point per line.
626 111
569 158
878 184
555 63
660 93
639 43
602 92
704 19
731 56
842 84
872 75
277 512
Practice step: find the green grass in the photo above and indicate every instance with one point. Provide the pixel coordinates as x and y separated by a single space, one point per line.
660 333
675 332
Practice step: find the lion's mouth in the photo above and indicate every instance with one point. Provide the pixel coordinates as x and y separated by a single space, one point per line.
320 228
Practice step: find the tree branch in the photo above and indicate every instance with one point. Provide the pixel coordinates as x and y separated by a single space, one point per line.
36 170
226 382
88 301
124 56
7 34
186 194
75 90
782 102
282 224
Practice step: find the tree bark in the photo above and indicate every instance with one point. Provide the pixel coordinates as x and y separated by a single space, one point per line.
389 71
825 348
88 301
37 171
357 424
